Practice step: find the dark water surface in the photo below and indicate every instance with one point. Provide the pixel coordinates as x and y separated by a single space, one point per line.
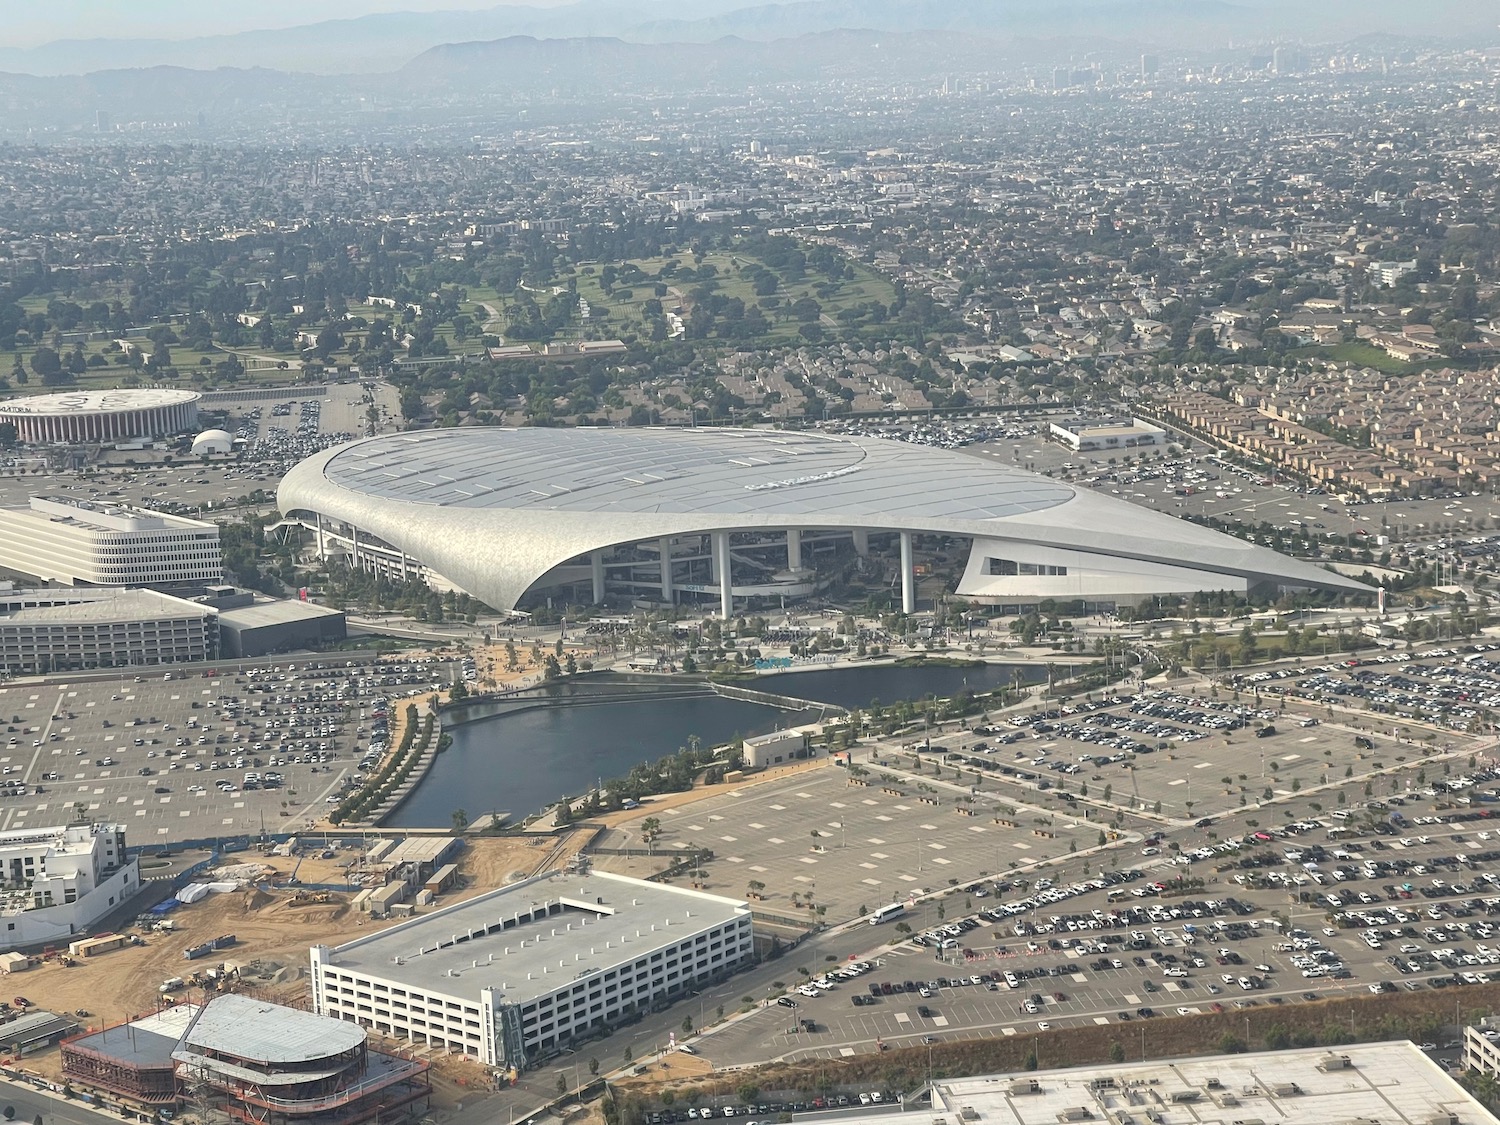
523 761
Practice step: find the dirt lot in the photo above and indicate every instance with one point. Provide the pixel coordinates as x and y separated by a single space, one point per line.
274 933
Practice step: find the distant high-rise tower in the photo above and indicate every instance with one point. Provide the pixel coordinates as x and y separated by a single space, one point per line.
1288 60
1150 65
1062 78
101 121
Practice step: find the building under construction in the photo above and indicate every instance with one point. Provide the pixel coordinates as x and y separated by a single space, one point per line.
257 1062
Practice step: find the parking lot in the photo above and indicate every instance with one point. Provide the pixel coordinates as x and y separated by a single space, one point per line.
1198 484
1181 757
1455 687
1028 961
196 753
844 847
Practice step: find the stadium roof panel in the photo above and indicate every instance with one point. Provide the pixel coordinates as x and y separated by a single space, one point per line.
685 472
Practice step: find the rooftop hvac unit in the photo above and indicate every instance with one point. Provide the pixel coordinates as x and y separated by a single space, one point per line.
1077 1113
1335 1062
1025 1086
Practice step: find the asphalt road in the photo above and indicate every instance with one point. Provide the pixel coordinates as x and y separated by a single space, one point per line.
32 1104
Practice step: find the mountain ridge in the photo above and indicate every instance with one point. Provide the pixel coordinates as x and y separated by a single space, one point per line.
383 42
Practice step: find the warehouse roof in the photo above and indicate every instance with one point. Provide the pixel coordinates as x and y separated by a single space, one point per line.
1391 1083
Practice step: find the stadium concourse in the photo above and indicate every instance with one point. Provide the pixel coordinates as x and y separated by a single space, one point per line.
700 514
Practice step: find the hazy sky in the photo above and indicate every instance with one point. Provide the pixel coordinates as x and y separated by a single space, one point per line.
29 22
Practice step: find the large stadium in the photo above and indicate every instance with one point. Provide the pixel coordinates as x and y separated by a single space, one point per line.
746 518
84 417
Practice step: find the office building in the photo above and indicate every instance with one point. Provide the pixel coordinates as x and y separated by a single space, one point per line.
79 543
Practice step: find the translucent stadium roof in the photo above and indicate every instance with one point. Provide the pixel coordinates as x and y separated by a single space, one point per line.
686 471
494 510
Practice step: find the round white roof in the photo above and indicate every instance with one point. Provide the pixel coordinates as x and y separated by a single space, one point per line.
68 403
214 435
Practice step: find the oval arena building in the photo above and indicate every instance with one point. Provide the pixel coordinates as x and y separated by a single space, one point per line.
84 417
755 517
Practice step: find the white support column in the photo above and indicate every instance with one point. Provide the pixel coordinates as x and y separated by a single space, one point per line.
354 548
322 545
908 578
861 543
794 549
722 571
596 565
664 545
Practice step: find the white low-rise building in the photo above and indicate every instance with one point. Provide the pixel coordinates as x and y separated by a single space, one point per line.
513 976
77 543
1392 1083
56 882
1085 437
44 631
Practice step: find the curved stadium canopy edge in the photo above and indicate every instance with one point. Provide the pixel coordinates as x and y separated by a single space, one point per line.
501 513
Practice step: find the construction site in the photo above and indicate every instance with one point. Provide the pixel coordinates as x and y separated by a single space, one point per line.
246 932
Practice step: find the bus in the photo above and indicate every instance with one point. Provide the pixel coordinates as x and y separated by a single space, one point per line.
886 913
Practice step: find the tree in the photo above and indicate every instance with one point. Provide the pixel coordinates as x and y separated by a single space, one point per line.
562 1085
8 435
47 365
593 1067
1116 1052
460 820
650 833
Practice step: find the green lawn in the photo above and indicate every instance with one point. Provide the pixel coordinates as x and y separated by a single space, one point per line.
1362 354
624 304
